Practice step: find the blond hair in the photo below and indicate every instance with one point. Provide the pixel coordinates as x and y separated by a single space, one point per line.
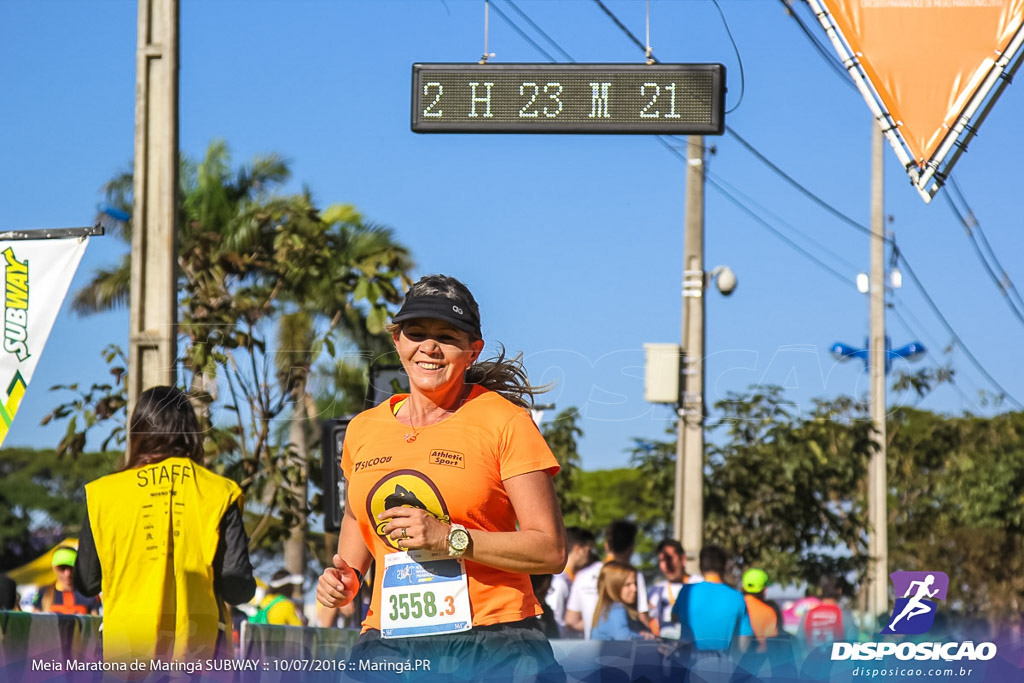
609 589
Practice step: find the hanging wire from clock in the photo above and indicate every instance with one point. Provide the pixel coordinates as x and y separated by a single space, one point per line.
648 51
487 13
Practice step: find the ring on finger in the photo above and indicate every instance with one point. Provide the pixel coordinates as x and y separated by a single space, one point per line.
405 532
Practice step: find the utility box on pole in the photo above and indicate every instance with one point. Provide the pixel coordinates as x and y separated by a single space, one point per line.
661 373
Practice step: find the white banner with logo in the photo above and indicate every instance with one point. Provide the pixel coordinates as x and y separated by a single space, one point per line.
36 277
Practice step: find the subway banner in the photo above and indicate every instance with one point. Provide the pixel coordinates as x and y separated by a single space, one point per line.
930 70
36 276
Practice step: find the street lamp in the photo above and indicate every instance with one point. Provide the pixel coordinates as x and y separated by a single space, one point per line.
911 351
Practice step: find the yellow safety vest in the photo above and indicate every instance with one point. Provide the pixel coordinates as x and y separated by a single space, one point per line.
156 530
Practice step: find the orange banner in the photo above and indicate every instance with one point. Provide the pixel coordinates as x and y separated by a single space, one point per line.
926 58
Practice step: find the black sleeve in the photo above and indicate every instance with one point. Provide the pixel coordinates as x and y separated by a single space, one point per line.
232 572
88 576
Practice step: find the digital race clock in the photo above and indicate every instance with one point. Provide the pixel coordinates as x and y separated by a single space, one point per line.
568 98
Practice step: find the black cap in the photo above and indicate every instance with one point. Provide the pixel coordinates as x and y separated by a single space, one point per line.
440 308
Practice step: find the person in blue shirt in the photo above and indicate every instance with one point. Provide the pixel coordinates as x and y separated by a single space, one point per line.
712 616
616 616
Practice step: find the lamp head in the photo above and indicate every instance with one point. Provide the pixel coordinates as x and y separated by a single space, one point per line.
725 280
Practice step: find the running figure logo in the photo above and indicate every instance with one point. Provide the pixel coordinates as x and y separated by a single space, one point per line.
914 612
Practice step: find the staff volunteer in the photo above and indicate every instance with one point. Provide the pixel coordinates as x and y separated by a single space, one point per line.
163 538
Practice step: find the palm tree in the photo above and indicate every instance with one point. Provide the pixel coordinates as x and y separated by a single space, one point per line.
249 257
210 199
367 261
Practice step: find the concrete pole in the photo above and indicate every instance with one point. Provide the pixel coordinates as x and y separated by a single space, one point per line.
153 299
689 494
878 542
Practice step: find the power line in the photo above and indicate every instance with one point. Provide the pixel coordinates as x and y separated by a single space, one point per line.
539 30
963 397
974 230
984 261
761 221
952 332
822 203
822 50
861 228
845 279
803 190
739 59
763 210
970 223
522 33
611 15
728 32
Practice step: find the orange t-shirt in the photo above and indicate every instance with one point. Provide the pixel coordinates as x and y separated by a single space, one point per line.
763 619
453 469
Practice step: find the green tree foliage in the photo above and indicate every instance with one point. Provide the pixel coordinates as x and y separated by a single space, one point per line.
785 490
956 504
621 493
268 284
655 462
40 490
561 435
781 490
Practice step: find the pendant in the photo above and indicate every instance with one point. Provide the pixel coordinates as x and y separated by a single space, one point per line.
410 437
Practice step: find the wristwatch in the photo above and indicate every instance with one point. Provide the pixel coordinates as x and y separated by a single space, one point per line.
458 540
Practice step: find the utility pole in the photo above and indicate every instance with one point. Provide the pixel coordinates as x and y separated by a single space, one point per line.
878 542
689 491
153 298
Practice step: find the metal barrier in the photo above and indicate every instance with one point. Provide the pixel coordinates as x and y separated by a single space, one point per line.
26 638
281 654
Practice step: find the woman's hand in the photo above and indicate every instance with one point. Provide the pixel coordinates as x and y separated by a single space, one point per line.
337 585
415 529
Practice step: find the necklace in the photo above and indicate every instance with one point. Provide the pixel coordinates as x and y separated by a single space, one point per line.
412 435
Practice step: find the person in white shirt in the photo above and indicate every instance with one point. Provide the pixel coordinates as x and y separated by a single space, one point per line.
581 553
619 541
661 597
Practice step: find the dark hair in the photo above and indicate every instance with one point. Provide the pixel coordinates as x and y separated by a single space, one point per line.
712 559
284 589
505 376
620 536
672 543
830 587
575 536
163 425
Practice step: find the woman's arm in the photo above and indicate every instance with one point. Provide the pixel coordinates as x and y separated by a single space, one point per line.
88 576
232 570
537 547
339 583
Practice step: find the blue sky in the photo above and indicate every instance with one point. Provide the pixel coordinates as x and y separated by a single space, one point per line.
571 243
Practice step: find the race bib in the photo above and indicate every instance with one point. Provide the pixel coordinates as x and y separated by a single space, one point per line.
423 594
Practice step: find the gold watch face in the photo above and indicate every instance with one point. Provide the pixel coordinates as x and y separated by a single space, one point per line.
458 539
